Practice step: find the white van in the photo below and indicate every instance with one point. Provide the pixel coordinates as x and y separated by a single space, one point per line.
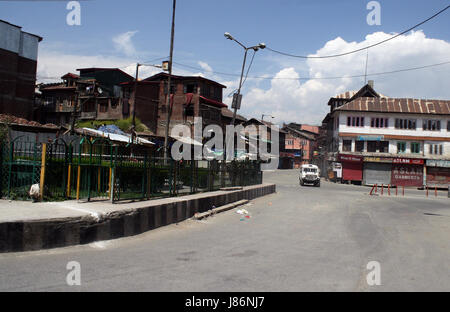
309 174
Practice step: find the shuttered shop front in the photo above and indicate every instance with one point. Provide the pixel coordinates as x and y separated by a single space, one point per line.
407 172
351 167
438 173
377 173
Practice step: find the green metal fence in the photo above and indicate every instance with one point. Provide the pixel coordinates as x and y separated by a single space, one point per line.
89 169
20 167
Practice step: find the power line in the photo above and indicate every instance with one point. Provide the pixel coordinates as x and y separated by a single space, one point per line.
249 66
246 75
121 67
299 78
361 49
320 78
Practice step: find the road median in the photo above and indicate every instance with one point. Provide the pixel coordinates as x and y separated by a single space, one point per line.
52 225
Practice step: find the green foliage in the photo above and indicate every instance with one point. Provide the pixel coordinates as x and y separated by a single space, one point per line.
123 124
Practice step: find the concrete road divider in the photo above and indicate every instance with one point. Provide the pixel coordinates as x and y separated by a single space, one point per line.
103 221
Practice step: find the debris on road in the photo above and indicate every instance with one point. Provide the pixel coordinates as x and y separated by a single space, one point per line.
242 211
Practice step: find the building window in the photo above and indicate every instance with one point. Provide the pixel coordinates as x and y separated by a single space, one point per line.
359 146
289 142
355 121
379 122
378 146
432 125
448 125
383 147
371 146
114 103
190 88
206 90
103 106
347 145
401 147
436 149
409 124
415 147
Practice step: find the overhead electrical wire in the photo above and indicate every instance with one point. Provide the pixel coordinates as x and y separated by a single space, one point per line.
361 49
246 75
121 67
320 78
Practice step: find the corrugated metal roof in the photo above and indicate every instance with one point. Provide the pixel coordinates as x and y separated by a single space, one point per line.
115 137
397 105
228 113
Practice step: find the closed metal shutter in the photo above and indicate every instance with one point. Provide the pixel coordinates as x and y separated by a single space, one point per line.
352 171
377 173
439 177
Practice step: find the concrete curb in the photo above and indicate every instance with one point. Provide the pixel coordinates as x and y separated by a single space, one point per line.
26 235
220 209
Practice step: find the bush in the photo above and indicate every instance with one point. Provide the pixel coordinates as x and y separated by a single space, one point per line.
123 124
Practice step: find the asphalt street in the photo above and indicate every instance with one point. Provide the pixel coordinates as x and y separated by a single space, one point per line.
299 239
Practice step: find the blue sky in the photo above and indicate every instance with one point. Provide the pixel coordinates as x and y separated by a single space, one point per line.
119 33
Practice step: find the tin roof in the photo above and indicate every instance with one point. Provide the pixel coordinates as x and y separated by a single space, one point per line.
398 105
163 75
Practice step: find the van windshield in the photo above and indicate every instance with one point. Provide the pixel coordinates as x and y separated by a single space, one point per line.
310 170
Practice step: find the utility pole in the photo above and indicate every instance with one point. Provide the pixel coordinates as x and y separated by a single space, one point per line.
168 107
133 127
239 89
75 105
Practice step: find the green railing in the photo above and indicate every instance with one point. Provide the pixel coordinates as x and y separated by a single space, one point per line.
20 167
95 169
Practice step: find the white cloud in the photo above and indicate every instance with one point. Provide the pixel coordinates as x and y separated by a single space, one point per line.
205 66
123 43
303 101
290 100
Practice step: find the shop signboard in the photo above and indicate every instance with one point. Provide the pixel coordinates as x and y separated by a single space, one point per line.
351 158
408 161
378 159
438 163
407 175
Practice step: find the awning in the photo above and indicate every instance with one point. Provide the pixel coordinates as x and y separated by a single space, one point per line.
116 137
186 140
212 102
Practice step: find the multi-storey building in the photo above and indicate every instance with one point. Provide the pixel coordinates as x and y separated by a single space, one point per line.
58 100
397 141
300 140
96 92
18 63
191 96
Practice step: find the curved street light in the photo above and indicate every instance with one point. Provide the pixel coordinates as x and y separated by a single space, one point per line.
254 48
262 117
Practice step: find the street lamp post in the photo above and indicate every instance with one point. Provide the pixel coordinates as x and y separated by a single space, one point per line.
262 117
254 48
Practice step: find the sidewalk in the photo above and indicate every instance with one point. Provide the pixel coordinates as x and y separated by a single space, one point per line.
31 226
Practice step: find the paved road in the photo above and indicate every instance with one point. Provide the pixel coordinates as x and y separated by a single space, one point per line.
299 239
